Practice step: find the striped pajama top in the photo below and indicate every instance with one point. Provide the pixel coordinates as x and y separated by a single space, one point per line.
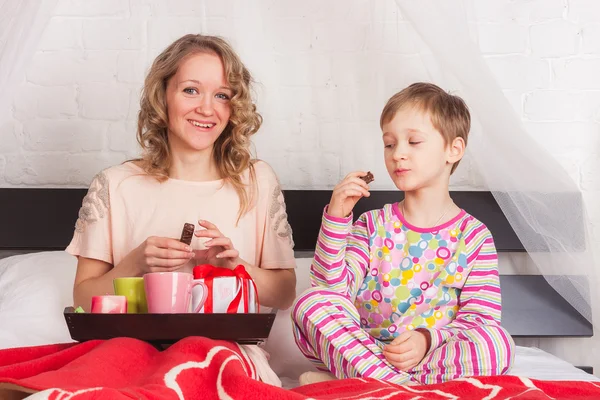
401 277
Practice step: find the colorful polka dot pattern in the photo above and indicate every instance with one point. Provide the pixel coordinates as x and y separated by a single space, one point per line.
414 279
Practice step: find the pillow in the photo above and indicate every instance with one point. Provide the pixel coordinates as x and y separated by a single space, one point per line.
34 290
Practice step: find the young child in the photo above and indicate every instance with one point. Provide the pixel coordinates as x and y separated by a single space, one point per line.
408 293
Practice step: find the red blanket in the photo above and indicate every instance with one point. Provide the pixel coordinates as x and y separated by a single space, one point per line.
200 368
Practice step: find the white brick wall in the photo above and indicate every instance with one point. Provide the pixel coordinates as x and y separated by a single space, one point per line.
504 38
577 73
12 137
113 34
104 101
561 105
62 33
524 12
520 71
33 101
2 169
591 38
42 135
93 8
558 38
319 90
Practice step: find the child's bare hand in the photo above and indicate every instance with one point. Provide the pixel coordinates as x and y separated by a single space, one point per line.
408 349
347 193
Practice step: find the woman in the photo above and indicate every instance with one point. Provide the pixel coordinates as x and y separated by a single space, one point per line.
194 127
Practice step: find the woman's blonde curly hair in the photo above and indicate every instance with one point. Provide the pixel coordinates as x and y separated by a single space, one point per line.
232 148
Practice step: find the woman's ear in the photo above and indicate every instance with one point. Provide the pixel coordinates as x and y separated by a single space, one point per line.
456 150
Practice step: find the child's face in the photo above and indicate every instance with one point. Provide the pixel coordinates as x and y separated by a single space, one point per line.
415 154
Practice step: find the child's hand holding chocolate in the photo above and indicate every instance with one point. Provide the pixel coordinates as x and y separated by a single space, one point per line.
347 193
368 178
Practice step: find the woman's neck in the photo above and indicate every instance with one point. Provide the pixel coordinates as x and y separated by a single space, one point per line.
429 207
197 166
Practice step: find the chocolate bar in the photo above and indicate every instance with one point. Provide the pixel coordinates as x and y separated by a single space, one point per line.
368 177
187 233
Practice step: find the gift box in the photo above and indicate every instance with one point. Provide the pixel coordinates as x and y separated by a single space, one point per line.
229 291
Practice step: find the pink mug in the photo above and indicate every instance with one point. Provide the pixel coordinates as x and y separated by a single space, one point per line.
171 292
109 304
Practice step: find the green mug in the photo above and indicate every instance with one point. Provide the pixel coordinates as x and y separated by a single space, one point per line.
133 290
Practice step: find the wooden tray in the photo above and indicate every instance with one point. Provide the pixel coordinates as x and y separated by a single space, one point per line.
169 328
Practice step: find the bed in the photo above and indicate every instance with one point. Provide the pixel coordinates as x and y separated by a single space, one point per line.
36 280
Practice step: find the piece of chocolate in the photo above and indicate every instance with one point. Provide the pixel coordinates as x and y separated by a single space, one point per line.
368 177
187 233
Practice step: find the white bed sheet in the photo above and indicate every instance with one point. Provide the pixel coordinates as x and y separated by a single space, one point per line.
530 362
538 364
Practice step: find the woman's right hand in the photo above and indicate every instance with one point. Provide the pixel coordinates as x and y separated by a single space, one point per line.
160 254
347 193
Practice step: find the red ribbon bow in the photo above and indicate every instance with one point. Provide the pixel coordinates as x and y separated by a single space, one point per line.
209 272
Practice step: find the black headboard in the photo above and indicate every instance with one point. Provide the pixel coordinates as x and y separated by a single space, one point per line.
44 219
305 208
38 219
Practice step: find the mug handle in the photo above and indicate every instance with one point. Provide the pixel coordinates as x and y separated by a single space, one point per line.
204 294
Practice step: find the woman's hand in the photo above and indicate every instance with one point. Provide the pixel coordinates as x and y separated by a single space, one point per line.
160 254
220 250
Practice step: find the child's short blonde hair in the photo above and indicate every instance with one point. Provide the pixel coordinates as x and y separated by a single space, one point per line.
449 114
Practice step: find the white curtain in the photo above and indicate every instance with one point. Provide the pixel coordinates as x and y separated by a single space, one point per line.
543 205
352 65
